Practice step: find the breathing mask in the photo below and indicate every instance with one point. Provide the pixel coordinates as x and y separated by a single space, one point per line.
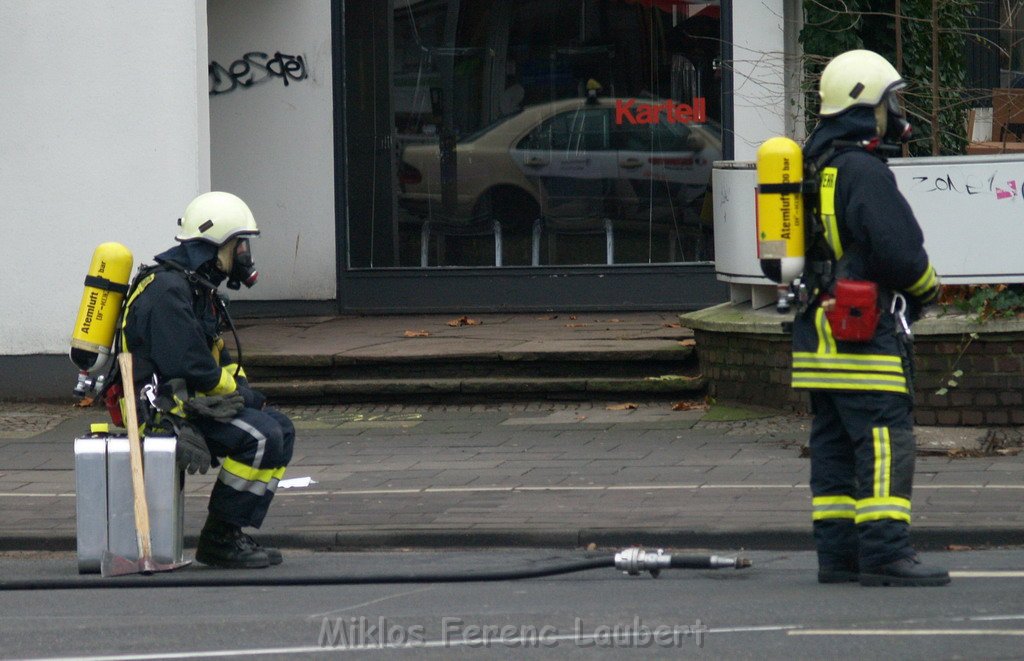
893 125
235 259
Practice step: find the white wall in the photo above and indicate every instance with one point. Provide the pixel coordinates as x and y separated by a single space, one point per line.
759 77
960 202
101 139
273 145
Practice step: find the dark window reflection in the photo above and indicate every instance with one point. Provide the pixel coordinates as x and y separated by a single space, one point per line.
552 131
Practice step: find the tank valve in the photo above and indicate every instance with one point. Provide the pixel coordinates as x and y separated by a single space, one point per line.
87 384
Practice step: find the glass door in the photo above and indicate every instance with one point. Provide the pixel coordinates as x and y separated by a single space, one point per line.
530 134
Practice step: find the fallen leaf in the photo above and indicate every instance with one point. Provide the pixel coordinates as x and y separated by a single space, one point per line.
591 546
628 406
614 321
958 547
688 342
671 325
417 333
463 321
572 317
688 406
85 402
548 318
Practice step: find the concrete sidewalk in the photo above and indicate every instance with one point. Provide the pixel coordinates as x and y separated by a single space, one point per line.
536 474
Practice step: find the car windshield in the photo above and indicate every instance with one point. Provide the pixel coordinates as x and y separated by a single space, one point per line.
470 137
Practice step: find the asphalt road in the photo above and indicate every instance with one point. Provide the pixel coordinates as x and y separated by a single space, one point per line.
774 610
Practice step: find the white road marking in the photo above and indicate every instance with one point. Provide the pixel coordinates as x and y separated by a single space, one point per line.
540 488
906 632
1008 573
582 640
319 616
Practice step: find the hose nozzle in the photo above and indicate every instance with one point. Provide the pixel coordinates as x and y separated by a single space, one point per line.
635 561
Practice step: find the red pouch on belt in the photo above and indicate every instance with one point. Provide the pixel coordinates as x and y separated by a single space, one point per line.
112 400
853 312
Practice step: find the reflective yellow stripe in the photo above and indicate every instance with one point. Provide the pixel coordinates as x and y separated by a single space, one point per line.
218 346
926 282
828 369
250 474
235 369
827 201
135 294
99 428
826 343
883 461
834 507
861 362
877 509
225 385
852 377
849 381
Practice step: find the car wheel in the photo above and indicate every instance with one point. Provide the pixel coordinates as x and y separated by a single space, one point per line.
513 207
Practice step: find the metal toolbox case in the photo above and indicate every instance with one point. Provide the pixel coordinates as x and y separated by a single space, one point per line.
104 506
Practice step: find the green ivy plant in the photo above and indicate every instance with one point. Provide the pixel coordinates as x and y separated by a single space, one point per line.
832 27
984 302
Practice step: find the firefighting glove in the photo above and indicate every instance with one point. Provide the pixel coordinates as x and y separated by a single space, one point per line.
253 399
221 408
191 453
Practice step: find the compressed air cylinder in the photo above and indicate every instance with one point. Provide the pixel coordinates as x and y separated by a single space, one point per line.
105 287
780 216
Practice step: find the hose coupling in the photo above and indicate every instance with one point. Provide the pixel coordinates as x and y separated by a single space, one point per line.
635 560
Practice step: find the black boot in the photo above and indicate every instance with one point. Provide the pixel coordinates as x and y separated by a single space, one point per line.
908 572
838 573
837 544
273 554
224 545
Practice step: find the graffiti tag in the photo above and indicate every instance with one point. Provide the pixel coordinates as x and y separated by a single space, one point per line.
255 68
971 185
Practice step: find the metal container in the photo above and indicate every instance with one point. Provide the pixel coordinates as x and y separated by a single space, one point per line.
165 495
91 502
105 509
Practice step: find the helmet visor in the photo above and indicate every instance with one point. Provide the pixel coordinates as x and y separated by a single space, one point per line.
893 104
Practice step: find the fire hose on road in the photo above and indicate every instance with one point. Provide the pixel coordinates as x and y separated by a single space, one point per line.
633 561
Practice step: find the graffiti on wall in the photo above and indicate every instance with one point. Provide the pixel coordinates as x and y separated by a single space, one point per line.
971 184
255 68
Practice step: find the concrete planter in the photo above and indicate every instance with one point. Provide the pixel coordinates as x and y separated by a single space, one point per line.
745 356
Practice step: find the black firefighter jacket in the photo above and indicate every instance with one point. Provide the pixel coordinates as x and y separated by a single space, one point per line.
172 327
874 236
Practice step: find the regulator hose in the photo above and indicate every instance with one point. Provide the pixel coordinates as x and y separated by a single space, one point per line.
632 561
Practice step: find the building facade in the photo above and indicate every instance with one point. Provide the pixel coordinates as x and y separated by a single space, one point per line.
399 155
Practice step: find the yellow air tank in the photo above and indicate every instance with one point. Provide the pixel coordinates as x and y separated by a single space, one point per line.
105 287
780 213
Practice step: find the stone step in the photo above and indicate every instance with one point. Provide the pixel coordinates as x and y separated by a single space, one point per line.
492 364
312 390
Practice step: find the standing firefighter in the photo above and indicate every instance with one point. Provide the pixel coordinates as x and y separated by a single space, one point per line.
172 326
869 277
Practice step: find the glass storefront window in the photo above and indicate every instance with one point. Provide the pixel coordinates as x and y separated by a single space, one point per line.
548 132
